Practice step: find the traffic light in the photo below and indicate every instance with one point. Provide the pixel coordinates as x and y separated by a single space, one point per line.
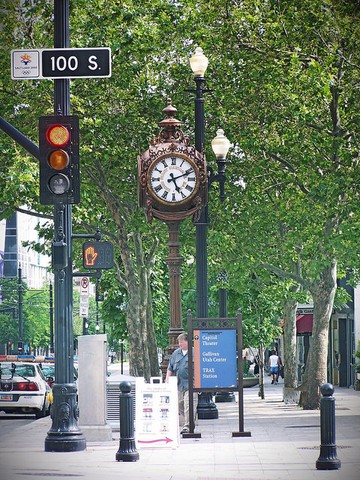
59 160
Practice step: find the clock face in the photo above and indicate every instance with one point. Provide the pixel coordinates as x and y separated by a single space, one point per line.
173 179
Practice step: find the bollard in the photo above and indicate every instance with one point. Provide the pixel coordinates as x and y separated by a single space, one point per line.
127 451
327 459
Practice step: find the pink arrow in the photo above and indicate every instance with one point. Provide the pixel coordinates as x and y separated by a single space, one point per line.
166 439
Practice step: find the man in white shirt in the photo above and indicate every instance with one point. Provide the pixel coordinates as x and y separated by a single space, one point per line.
274 364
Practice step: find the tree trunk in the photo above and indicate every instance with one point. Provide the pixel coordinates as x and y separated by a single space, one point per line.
323 293
143 357
135 277
261 373
291 395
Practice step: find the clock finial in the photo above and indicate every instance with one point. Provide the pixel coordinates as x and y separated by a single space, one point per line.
170 126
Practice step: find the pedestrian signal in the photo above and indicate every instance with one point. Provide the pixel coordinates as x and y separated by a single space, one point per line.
98 255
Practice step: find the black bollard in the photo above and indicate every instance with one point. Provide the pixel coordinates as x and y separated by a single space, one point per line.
127 450
327 459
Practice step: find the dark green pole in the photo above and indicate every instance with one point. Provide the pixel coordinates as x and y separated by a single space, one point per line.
20 310
64 435
51 317
206 407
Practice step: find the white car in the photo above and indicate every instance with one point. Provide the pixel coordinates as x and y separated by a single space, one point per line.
23 389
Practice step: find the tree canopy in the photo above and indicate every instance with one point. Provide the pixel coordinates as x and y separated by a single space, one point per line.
283 81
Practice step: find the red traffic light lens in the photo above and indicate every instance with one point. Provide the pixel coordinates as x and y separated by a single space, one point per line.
57 135
58 159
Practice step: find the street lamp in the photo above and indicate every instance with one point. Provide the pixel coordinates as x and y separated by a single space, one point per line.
221 145
198 63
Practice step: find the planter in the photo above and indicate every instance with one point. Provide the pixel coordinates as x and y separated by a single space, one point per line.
250 381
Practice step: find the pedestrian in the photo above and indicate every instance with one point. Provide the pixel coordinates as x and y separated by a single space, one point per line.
280 370
274 364
256 367
178 365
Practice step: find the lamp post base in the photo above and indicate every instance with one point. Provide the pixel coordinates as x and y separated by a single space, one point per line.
206 408
326 463
64 434
65 443
224 397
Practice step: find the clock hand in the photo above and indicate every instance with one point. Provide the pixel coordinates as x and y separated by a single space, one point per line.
173 179
179 176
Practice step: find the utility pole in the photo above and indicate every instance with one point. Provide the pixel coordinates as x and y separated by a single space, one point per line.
51 316
20 310
64 435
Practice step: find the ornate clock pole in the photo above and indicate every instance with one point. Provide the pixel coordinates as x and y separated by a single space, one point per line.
172 187
174 262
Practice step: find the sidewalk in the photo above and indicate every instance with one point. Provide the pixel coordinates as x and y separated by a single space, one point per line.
284 445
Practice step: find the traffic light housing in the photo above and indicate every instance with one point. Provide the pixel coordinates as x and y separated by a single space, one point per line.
59 160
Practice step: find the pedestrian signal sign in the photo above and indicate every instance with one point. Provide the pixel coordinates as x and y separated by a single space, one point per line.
98 255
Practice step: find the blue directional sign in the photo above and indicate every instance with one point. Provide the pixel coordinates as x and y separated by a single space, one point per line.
215 363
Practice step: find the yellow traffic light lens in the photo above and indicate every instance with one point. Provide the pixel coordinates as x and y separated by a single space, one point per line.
58 159
58 135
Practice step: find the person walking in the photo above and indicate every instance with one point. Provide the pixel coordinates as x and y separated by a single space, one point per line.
274 364
280 370
178 365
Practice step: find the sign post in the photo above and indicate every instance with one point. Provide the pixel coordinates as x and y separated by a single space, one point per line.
215 359
215 362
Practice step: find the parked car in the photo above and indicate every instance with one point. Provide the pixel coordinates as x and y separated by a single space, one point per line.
23 389
49 372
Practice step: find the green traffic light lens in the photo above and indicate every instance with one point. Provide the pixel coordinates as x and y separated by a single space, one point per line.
59 184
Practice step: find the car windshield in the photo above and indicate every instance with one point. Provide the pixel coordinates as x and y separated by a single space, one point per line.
12 369
48 370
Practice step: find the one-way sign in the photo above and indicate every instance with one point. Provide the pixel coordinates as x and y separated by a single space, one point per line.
61 63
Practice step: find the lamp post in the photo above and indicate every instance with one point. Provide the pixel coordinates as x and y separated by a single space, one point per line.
20 309
220 144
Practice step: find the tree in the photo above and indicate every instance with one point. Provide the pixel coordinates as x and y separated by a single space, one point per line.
296 71
283 80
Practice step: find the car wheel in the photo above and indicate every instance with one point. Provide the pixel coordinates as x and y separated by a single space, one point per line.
41 413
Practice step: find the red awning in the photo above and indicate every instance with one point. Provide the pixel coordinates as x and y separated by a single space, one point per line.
304 323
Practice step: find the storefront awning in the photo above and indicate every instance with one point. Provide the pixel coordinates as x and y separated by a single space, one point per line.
304 323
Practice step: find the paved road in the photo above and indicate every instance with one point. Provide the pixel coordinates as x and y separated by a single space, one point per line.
10 422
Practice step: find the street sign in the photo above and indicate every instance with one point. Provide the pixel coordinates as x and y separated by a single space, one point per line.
61 63
84 286
84 306
76 62
215 362
98 255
